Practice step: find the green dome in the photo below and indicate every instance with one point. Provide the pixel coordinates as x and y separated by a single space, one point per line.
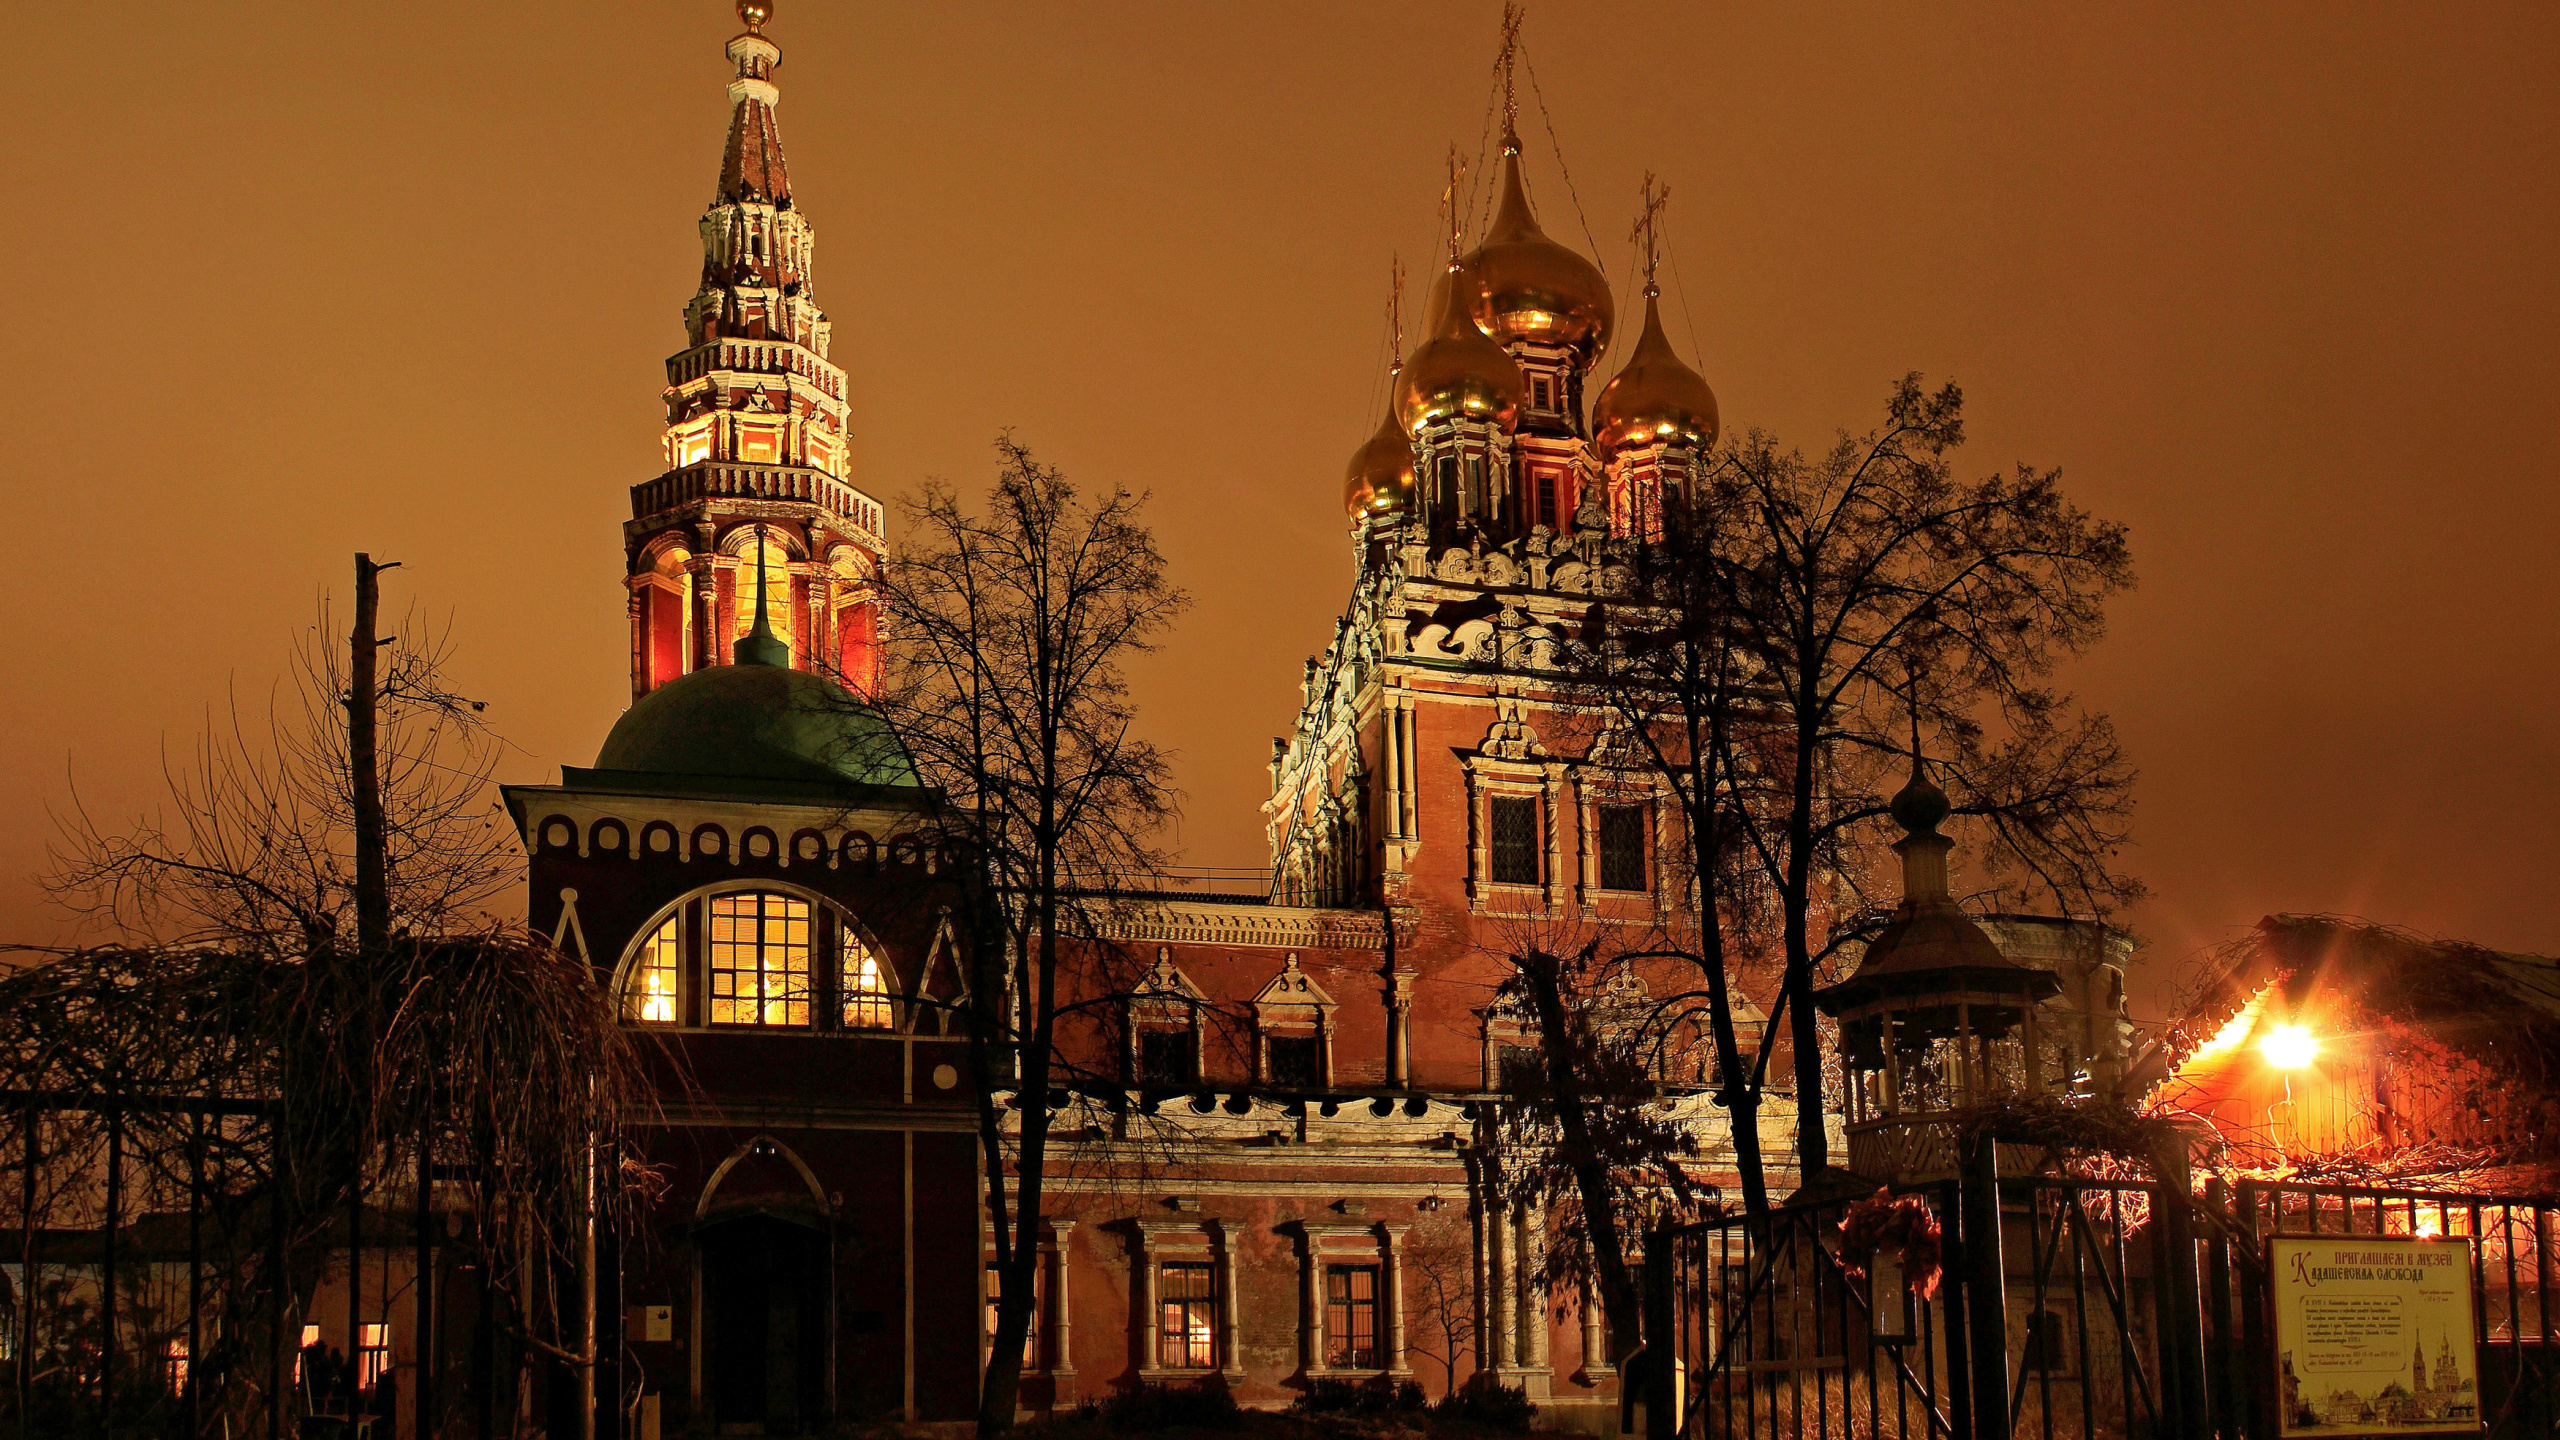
758 722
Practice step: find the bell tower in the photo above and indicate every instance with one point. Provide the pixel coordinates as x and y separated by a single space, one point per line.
755 434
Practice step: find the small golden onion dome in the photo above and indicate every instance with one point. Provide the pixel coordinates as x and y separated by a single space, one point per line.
1458 371
1656 400
1528 287
1380 479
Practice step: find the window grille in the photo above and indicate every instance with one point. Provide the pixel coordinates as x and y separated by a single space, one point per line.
1517 1068
1168 1057
1351 1317
1186 1294
1622 857
1547 499
1515 839
759 960
650 998
1297 1061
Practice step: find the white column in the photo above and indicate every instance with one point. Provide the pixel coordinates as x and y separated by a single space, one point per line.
1500 1241
1533 1300
1311 1302
1392 1303
1595 1365
1230 1351
1062 1355
1143 1291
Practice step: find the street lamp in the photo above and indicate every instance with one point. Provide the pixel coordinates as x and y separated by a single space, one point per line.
2289 1047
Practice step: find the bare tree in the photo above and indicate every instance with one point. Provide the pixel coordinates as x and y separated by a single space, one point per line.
1583 1136
299 936
1877 595
1009 630
1439 1262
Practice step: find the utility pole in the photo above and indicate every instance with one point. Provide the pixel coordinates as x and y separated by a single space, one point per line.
373 887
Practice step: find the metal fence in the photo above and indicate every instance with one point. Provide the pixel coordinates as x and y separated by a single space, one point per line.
2067 1310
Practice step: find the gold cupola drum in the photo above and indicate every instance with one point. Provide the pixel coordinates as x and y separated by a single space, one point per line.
1652 425
1935 1021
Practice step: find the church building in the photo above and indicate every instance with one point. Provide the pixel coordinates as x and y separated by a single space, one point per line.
1316 1063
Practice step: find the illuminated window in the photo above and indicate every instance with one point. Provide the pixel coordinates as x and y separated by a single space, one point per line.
1186 1296
373 1358
759 443
303 1352
650 998
1351 1317
177 1367
866 995
693 443
759 960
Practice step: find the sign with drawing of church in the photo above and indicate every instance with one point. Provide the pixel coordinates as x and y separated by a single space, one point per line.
2374 1335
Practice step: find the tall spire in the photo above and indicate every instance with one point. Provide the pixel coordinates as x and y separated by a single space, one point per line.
760 646
751 169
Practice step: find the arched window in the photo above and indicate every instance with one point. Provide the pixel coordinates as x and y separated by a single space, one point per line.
866 994
759 959
650 995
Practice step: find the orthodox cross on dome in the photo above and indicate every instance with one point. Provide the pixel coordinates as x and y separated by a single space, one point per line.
1648 231
1449 204
1395 315
1507 61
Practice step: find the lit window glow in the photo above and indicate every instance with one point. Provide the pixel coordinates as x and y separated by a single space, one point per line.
866 995
2290 1047
759 960
651 996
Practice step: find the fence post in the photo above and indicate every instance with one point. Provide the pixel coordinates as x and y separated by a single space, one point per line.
107 1284
2174 1298
2224 1374
1986 1289
1661 1350
2254 1348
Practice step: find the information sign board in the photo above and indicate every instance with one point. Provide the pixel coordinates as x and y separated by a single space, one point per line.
2374 1335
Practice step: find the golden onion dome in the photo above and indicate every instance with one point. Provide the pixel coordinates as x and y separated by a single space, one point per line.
1458 371
1528 287
1380 479
1656 400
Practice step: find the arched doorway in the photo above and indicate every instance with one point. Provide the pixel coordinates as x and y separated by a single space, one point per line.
765 1324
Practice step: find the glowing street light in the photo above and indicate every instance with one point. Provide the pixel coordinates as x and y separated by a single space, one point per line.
2290 1047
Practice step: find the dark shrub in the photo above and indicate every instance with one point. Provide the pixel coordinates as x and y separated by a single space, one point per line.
1493 1407
1146 1409
1377 1395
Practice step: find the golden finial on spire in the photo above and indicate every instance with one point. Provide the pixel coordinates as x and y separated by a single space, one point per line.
1648 231
1512 14
1449 204
1395 314
755 13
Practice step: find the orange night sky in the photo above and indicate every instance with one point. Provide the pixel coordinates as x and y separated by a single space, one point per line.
2274 285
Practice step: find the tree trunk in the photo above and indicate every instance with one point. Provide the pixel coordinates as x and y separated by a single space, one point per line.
1591 1178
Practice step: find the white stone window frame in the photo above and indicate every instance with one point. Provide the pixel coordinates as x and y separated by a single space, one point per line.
1500 1029
1166 1000
1185 1242
1289 1003
1053 1352
1542 781
1321 1244
1593 788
